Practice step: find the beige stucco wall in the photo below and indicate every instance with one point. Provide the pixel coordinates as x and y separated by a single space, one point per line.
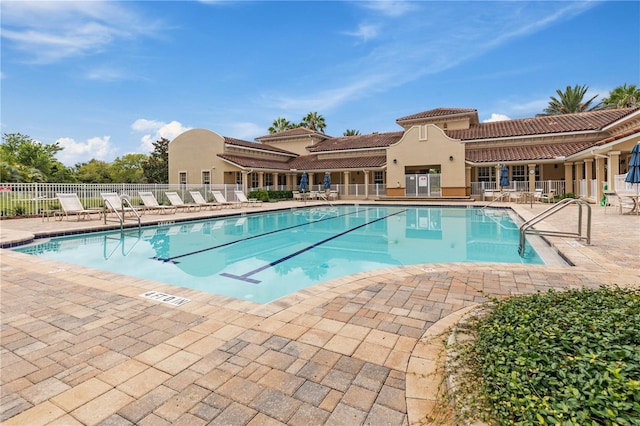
424 146
296 145
193 152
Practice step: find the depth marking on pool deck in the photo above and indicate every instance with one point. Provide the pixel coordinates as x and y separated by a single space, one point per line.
173 258
245 277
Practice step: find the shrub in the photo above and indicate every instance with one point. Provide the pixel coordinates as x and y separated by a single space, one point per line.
560 358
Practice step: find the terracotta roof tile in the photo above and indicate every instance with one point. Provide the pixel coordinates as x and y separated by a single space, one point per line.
525 152
580 122
438 112
298 131
311 162
255 145
258 163
373 140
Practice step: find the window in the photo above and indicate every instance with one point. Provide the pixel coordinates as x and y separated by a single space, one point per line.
486 174
282 180
206 177
254 180
268 179
238 178
518 173
378 177
183 180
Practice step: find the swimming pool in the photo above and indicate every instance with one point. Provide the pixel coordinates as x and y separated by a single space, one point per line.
264 256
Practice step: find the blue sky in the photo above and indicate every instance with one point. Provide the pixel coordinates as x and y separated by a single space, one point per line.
109 78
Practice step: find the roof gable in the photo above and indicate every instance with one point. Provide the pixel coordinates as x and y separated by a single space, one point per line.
437 113
295 132
358 142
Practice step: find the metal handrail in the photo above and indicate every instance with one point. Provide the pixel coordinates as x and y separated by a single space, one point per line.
498 198
527 227
121 218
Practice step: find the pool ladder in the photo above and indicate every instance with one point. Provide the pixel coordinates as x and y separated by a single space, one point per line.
527 227
120 214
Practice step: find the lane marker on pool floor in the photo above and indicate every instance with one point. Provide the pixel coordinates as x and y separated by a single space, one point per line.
245 277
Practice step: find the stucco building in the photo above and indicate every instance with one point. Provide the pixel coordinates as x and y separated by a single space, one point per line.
443 152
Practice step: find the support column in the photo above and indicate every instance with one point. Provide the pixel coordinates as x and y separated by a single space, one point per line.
467 180
366 184
245 181
274 178
346 181
613 168
311 180
588 175
261 180
568 177
601 178
579 165
531 177
497 167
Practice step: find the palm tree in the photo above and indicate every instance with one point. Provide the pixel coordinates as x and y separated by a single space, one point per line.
351 132
279 124
623 97
314 121
570 101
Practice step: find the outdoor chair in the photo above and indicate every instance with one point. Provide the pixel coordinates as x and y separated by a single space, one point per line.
199 199
113 202
177 202
151 203
71 205
220 199
548 197
253 202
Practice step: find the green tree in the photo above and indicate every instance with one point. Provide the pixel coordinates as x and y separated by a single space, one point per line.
623 97
314 121
571 101
25 154
280 124
128 169
351 132
95 171
156 167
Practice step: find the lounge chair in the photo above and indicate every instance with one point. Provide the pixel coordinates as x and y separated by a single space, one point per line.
177 202
253 202
151 203
220 199
199 199
71 205
548 197
112 201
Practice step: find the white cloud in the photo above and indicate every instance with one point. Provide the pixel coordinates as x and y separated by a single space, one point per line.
365 32
244 130
390 8
74 152
155 130
497 117
48 31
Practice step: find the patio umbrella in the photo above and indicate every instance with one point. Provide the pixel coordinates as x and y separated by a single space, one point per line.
327 181
504 176
633 175
304 182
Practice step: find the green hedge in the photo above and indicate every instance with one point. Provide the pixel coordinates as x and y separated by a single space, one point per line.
264 195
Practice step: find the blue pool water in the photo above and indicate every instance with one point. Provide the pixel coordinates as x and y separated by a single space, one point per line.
262 257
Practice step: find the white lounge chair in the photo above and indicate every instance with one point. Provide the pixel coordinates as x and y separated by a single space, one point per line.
151 203
199 199
253 202
112 201
71 205
220 199
177 202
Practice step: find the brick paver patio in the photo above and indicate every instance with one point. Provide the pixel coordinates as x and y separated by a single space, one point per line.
80 346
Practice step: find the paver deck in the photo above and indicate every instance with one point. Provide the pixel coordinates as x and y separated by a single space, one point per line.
80 346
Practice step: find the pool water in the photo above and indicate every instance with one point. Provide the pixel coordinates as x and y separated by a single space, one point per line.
264 256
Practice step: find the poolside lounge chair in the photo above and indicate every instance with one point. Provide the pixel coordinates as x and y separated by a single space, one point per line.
151 203
177 202
253 202
548 197
199 199
220 199
297 195
71 205
112 201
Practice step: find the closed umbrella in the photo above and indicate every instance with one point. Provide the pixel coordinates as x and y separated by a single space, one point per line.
633 175
504 176
304 182
327 181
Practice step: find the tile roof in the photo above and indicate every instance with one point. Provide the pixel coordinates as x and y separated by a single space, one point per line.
524 152
438 112
258 163
298 131
255 145
372 140
563 123
311 162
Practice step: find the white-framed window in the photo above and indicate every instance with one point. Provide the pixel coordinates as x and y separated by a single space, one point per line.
518 173
238 178
206 177
254 180
378 176
486 174
183 179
